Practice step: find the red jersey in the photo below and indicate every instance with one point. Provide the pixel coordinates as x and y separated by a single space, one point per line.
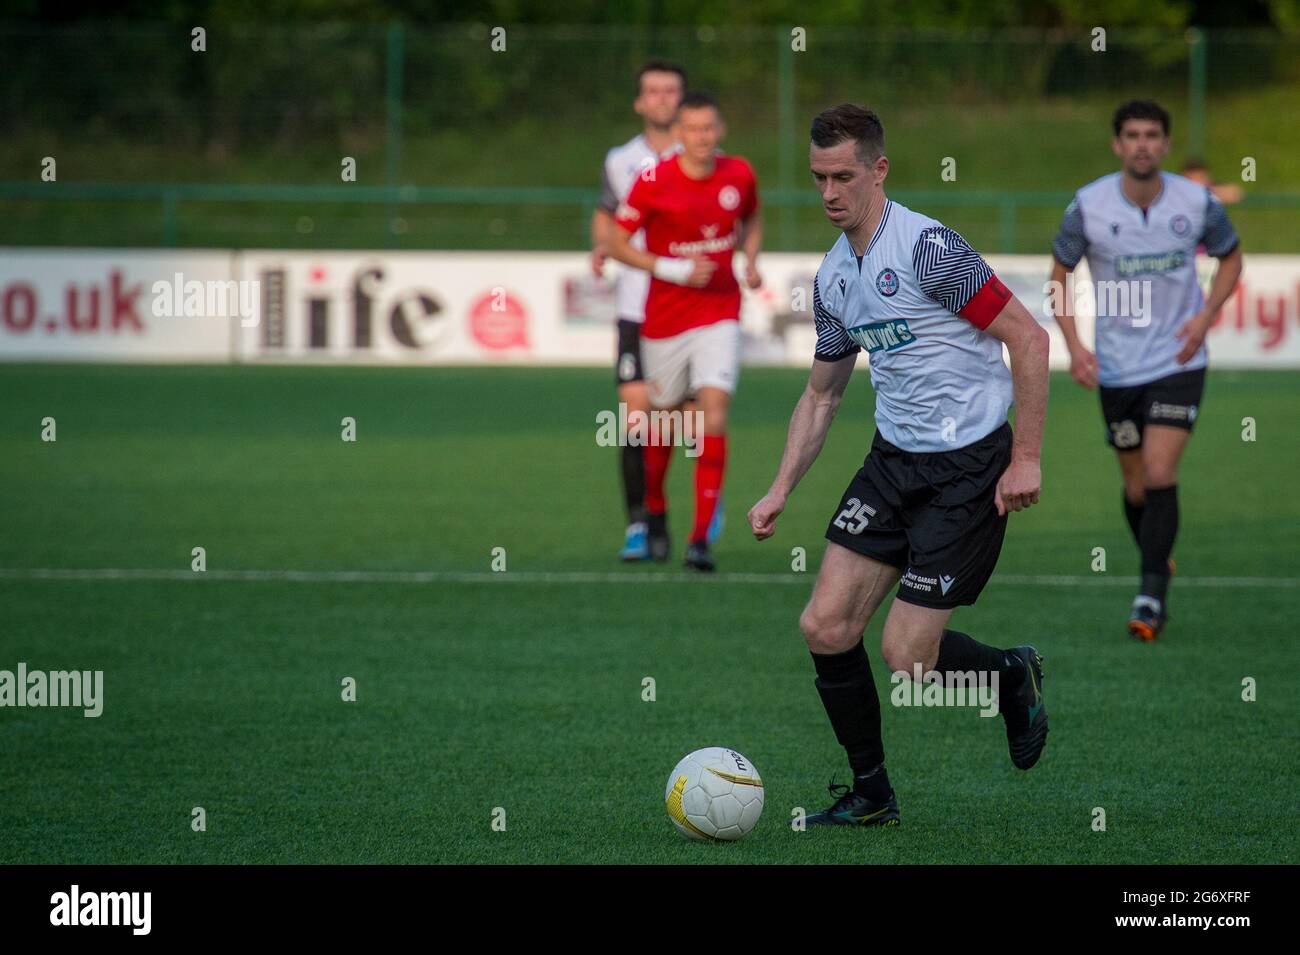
684 218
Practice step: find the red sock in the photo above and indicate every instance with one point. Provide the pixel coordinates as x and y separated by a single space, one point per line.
657 459
708 483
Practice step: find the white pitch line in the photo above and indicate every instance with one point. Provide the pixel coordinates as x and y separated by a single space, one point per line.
574 577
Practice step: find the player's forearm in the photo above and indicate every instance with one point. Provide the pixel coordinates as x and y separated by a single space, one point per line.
809 424
752 241
620 249
1029 376
1225 282
1070 332
600 222
1062 299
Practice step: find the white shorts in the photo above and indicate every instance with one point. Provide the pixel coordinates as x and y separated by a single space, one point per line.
704 357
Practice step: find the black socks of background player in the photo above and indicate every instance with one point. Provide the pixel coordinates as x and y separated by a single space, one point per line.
634 483
1159 528
849 694
960 653
1134 514
1155 526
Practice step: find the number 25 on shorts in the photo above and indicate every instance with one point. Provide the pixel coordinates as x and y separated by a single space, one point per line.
853 518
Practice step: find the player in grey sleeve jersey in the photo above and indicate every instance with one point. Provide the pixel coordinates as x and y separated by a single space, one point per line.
928 508
659 88
1139 229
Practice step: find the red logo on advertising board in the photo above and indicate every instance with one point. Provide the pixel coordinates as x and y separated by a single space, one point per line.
498 320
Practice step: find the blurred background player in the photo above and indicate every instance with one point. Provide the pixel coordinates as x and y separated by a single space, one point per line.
696 209
659 89
1142 225
1197 171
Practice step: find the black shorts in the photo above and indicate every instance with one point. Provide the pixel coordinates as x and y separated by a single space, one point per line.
628 366
932 515
1172 401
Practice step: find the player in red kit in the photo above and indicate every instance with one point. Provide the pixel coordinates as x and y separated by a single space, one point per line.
696 209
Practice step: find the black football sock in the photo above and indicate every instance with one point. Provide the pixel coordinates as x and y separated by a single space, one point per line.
1134 514
634 483
848 692
960 653
874 784
1159 528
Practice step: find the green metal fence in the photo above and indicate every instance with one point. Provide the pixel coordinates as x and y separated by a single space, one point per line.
462 145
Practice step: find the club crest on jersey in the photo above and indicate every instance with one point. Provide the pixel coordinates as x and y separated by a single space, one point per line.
887 282
883 336
729 197
1180 225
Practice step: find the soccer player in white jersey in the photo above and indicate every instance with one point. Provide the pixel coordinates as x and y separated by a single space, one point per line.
928 509
659 88
1139 229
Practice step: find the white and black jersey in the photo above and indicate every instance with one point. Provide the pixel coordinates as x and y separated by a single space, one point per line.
1149 255
918 300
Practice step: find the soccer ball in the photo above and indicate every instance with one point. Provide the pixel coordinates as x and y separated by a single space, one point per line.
714 794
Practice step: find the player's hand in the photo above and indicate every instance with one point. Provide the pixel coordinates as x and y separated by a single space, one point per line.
1018 487
1083 367
1192 334
763 515
702 273
752 278
598 258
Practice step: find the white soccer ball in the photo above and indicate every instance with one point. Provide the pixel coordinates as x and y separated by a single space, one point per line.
714 794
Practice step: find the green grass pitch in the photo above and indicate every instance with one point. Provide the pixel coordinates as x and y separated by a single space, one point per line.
525 692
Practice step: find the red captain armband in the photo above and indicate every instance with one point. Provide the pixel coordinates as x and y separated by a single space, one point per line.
985 304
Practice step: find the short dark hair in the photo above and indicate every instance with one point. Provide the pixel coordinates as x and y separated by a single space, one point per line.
850 122
1195 164
698 99
1141 109
659 66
